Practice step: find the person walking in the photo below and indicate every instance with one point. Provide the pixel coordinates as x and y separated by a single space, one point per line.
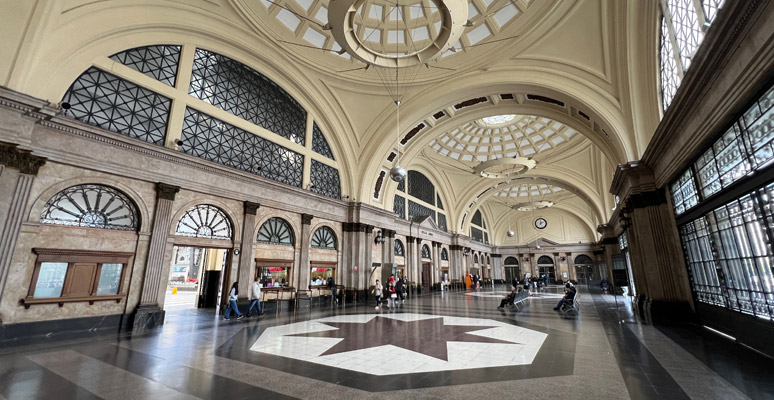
232 302
391 295
255 297
332 287
378 293
399 290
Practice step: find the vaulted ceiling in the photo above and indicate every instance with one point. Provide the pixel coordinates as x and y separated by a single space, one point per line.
571 84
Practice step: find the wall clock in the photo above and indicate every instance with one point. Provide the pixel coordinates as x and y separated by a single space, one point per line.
540 223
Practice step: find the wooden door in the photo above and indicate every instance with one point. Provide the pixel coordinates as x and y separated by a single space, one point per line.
426 277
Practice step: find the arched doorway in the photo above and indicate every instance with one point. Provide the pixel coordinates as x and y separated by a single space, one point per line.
512 269
197 274
584 269
427 268
546 267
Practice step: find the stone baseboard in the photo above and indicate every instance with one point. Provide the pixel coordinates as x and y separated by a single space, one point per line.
147 318
29 333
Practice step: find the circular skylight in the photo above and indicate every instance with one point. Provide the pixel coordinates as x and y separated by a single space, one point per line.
498 119
529 191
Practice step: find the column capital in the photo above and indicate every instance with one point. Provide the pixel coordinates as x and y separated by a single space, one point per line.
23 160
306 219
166 192
388 233
369 228
251 208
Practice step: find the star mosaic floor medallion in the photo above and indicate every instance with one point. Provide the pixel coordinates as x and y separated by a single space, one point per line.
423 343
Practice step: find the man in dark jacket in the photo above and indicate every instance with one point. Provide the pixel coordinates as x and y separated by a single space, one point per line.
400 289
508 299
332 287
568 296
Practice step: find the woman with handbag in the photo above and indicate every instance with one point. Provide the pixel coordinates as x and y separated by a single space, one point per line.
391 294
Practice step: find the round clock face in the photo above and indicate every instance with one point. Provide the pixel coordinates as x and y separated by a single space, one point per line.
540 223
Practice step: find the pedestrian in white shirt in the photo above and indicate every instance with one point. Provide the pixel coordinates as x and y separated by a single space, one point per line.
255 297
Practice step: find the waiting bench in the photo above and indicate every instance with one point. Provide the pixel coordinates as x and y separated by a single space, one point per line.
573 308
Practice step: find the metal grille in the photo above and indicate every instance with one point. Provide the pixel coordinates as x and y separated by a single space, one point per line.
324 238
398 248
159 62
276 231
444 255
211 139
421 187
670 77
399 207
324 180
545 260
242 91
583 260
417 211
623 241
711 8
426 251
685 23
91 206
723 163
205 221
109 102
511 261
684 194
729 257
442 222
477 219
319 144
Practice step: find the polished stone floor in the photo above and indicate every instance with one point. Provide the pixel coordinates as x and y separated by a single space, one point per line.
444 346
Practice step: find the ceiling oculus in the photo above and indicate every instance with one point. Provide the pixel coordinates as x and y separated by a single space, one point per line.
498 119
500 168
533 205
343 19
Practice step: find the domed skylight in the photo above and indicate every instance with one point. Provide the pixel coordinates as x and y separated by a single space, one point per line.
498 119
524 136
526 191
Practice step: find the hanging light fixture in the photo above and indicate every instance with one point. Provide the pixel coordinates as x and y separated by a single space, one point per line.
510 233
397 173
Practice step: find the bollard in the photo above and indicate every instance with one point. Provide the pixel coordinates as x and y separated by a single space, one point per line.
174 290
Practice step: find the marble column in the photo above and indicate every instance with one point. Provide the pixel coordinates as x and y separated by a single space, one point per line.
388 248
411 256
497 267
18 169
455 262
149 314
367 240
246 264
304 275
435 276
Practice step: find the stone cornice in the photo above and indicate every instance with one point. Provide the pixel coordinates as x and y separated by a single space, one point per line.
166 192
306 219
23 160
251 208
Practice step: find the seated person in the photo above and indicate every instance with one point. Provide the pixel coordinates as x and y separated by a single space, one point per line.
509 298
568 296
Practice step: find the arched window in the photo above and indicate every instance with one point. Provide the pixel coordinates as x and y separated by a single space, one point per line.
545 260
92 206
488 260
324 238
426 251
583 260
682 31
276 231
205 221
399 251
478 229
475 258
511 261
444 255
420 200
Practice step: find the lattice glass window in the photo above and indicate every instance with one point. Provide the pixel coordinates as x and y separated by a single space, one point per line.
91 206
211 139
477 234
398 249
685 22
444 255
670 77
159 62
438 201
623 241
684 194
545 260
324 238
417 211
324 180
205 221
109 102
711 8
242 91
276 231
421 187
701 262
511 261
758 129
723 164
477 219
399 206
319 144
442 222
426 251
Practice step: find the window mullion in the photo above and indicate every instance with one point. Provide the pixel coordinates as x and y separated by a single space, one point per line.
673 39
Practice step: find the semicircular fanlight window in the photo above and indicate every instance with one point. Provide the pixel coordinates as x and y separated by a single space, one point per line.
205 221
399 251
425 252
444 255
324 238
91 206
276 231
